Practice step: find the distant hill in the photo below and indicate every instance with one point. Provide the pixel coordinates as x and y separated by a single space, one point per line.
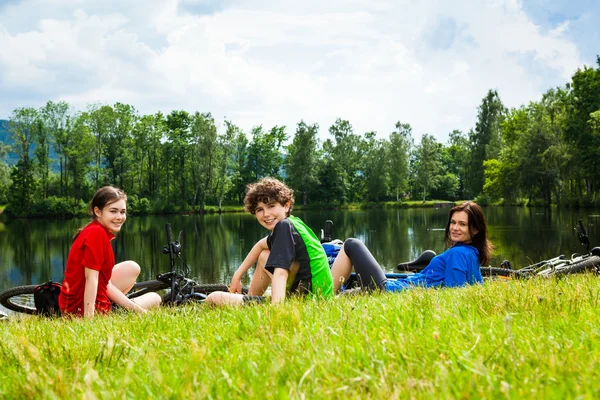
5 138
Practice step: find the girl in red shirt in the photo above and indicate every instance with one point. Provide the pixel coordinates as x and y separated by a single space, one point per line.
92 280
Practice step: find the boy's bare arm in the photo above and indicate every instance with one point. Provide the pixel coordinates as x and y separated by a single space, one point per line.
249 261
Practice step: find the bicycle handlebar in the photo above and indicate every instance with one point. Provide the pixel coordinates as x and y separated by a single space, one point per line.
583 235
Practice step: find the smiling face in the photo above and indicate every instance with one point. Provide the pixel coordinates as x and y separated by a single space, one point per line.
459 228
268 215
112 216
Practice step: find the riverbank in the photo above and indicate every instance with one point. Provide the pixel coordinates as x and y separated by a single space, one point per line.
134 209
525 339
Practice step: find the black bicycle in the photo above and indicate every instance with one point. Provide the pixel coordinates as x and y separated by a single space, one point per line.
554 267
174 286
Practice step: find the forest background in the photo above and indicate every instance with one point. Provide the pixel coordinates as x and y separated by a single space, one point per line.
52 159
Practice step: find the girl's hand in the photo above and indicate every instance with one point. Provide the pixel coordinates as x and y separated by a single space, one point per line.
236 284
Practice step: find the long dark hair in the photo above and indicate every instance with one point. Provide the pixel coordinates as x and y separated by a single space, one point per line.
477 224
104 196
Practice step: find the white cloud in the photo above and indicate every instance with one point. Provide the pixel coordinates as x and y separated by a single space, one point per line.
277 62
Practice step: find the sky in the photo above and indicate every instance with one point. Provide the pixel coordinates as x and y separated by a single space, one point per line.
277 62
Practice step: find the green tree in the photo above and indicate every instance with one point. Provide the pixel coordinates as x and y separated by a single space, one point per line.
584 99
56 119
241 171
457 160
42 154
346 152
204 134
101 121
225 165
375 167
147 160
177 150
4 173
78 157
22 125
264 152
301 162
400 144
485 140
502 174
427 166
118 151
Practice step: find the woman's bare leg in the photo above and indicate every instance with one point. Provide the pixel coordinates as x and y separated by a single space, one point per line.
341 269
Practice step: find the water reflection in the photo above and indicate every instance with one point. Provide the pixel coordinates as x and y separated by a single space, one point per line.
33 251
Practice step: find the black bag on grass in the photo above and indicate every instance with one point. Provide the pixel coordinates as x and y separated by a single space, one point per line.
45 297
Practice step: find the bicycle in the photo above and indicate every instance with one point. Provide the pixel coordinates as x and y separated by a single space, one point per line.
177 287
555 267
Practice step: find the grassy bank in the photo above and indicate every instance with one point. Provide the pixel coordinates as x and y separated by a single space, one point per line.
533 339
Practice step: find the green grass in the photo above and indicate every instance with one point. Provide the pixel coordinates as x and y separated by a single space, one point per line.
527 339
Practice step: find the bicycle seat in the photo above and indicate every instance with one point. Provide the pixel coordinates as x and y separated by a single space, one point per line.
419 263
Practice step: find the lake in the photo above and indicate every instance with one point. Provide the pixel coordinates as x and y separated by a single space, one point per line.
33 251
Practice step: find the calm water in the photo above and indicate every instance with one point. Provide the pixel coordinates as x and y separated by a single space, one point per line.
33 251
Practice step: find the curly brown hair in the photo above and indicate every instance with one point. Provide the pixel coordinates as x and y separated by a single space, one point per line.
268 190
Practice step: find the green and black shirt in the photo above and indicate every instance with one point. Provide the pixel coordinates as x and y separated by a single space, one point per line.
292 240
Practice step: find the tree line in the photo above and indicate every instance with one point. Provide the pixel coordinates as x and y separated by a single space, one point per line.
544 153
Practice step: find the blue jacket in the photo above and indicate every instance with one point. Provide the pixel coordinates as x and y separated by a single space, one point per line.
457 266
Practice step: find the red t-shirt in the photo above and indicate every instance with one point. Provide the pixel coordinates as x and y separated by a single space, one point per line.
91 249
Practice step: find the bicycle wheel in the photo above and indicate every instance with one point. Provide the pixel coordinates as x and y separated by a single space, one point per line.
578 267
141 288
19 299
493 273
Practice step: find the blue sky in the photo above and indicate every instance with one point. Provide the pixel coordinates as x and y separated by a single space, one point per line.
275 62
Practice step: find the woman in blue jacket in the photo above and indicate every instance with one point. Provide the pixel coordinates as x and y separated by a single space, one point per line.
467 245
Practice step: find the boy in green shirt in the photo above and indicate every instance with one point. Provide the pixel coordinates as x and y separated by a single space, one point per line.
290 258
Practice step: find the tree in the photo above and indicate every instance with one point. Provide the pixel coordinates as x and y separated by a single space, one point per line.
399 148
204 134
241 171
264 152
101 122
427 164
457 160
23 124
302 159
56 117
147 135
502 174
584 99
119 143
346 152
485 140
177 149
4 174
375 171
42 154
225 165
78 156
